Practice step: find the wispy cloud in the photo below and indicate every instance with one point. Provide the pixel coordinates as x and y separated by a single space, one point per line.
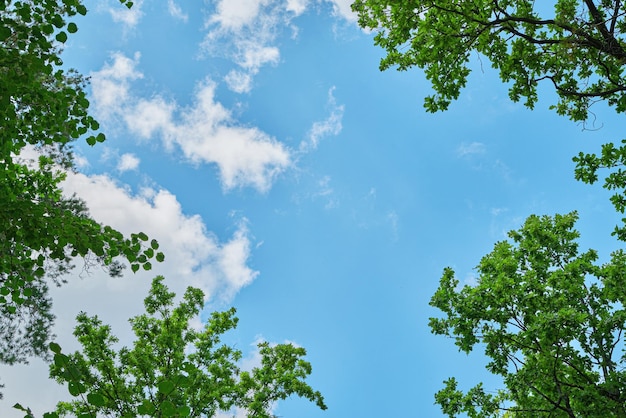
246 32
332 125
175 11
205 132
473 148
342 8
393 219
325 191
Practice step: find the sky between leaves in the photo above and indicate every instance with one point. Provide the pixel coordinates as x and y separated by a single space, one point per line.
283 174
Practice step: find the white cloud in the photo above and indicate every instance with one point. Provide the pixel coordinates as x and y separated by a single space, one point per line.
235 14
193 254
297 6
127 162
474 148
128 17
205 132
332 125
110 85
245 31
175 11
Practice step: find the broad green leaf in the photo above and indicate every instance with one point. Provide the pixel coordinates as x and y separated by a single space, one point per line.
165 386
61 37
96 399
76 388
5 32
167 408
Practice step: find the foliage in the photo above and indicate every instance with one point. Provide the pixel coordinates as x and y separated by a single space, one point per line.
172 369
579 48
613 159
550 321
43 106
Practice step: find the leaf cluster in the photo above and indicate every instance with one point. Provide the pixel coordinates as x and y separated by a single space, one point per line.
551 322
579 48
173 370
611 159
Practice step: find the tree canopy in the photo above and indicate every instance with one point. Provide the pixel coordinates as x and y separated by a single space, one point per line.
43 106
551 322
578 46
173 370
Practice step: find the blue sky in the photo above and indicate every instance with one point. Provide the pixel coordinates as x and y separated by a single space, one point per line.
285 175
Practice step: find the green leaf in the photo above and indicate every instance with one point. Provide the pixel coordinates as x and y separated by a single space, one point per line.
72 28
142 236
154 244
165 386
147 266
61 37
91 140
160 257
20 407
100 137
76 388
54 347
96 399
167 408
5 32
134 267
60 360
183 411
146 408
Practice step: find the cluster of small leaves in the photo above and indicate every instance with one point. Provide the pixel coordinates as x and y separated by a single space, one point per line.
44 106
612 159
550 321
580 49
173 370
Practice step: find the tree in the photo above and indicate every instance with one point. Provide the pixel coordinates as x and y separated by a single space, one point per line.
579 48
551 322
173 370
44 106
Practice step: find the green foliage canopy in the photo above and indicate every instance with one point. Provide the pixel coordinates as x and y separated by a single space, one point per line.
578 46
173 370
551 322
44 106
